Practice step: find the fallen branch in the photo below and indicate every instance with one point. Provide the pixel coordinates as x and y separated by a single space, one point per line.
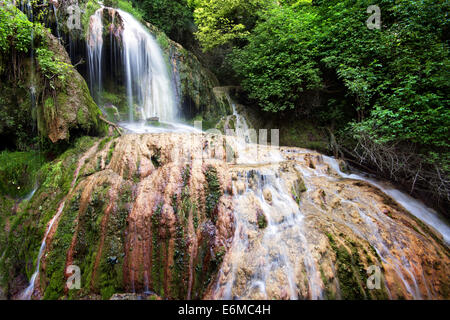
112 124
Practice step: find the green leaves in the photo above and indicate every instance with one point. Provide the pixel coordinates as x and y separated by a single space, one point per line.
15 29
51 66
225 21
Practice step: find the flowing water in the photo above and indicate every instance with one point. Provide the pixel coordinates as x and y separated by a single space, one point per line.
148 85
279 249
56 21
28 292
414 206
281 261
147 78
95 51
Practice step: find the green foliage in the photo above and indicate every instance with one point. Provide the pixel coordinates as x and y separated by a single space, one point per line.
278 63
388 87
18 172
223 21
173 17
128 7
51 66
15 29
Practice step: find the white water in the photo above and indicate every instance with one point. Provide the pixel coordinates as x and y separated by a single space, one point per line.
28 292
148 83
164 127
56 21
414 206
272 255
95 49
241 125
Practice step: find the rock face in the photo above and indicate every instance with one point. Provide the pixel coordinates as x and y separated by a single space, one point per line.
145 215
72 109
191 216
325 236
59 112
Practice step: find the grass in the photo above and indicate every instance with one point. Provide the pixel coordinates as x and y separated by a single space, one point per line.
18 172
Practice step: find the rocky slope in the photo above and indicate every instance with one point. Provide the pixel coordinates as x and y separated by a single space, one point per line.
195 216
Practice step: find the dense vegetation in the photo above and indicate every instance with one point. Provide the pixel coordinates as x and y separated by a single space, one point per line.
384 92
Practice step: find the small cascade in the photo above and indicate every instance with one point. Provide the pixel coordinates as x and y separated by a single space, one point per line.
280 241
270 248
29 196
28 292
56 21
242 128
414 206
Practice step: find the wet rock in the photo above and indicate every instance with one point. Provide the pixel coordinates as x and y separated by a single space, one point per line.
267 195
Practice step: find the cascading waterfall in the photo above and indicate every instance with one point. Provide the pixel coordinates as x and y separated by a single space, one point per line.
275 258
147 78
281 260
414 206
149 89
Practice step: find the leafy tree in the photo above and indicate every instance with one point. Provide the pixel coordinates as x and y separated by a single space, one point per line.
174 17
222 21
395 80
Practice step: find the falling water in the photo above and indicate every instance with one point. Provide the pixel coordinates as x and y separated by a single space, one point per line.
282 249
95 50
56 21
28 292
271 256
147 78
149 88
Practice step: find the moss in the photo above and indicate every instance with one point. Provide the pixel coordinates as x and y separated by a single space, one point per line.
87 240
329 293
351 271
18 172
56 260
110 152
156 158
262 221
178 288
298 189
110 271
157 269
214 192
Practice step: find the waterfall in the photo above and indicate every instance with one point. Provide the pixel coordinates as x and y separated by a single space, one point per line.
148 85
56 22
28 292
95 50
281 250
147 78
